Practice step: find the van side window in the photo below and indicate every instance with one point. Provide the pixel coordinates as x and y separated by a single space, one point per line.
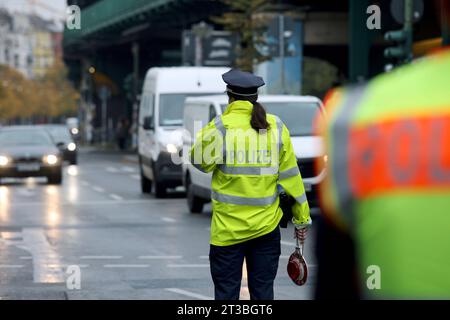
212 112
147 106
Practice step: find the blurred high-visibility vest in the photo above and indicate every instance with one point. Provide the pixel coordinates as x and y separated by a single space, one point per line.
247 166
388 184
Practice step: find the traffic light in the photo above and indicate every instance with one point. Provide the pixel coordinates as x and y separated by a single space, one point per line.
404 37
403 50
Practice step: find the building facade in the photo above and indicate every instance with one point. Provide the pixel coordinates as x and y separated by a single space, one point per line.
29 43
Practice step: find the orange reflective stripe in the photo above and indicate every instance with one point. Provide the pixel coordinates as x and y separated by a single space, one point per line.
399 155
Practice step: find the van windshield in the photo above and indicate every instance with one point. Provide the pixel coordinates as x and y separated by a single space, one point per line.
299 117
171 108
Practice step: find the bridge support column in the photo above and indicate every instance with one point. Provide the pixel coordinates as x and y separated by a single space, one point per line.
136 99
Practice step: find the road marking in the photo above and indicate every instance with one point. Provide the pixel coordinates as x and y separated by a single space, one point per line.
135 176
45 259
100 257
206 265
126 266
168 219
112 169
160 257
26 258
98 189
11 266
128 169
204 257
65 266
115 197
189 294
287 243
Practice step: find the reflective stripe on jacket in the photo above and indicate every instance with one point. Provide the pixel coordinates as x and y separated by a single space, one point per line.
246 171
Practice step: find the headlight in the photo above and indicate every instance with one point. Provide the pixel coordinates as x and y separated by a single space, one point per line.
74 130
4 160
51 159
71 146
325 158
171 148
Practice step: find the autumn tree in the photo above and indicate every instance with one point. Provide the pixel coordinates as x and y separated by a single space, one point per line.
244 19
13 93
48 97
61 96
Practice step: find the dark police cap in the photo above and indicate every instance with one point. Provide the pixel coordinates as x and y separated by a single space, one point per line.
242 83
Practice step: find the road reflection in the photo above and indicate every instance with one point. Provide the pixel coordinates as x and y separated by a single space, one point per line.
4 203
52 206
72 170
72 183
30 183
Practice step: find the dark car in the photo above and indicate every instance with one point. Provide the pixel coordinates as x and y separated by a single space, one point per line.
29 151
64 141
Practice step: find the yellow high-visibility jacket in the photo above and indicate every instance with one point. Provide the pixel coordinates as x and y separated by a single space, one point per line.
246 171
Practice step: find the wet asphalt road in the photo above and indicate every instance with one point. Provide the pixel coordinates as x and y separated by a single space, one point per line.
99 232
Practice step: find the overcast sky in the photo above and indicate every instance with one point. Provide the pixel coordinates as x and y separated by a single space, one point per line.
25 6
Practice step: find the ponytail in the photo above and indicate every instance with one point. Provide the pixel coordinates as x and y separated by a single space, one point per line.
258 120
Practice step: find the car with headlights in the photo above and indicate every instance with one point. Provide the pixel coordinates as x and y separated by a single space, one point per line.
298 114
64 141
29 151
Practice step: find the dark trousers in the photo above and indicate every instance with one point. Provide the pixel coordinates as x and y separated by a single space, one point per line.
261 255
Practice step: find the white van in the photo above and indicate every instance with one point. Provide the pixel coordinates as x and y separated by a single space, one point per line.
161 113
297 113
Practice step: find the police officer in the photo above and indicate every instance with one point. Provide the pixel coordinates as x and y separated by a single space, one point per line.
249 153
388 185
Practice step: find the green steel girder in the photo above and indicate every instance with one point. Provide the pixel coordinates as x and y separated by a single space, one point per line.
103 14
105 17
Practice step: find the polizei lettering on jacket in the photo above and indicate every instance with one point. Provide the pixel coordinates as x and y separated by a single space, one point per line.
239 147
